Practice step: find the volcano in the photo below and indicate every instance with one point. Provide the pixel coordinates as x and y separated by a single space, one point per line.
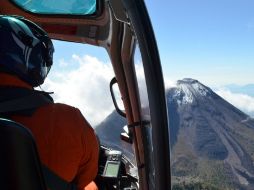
212 142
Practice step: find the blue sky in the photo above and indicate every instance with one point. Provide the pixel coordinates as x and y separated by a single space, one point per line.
208 40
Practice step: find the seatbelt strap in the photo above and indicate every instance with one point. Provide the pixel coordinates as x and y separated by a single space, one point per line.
30 101
54 182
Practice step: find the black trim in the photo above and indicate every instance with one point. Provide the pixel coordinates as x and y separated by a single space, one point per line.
142 27
139 124
119 111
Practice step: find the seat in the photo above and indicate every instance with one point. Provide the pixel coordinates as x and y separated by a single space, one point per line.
20 167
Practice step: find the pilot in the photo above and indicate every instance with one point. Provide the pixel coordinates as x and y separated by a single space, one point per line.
66 142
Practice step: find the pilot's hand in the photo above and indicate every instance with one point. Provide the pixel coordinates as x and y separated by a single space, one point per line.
91 186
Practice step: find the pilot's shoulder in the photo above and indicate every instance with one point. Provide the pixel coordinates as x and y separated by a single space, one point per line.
66 113
63 107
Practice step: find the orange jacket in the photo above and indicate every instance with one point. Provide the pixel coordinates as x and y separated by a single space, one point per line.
66 142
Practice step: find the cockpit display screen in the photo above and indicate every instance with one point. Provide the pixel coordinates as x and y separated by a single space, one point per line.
112 169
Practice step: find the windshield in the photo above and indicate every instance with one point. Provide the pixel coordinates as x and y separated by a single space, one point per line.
206 49
80 77
72 7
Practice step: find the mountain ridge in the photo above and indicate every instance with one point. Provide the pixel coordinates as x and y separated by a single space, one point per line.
206 128
211 140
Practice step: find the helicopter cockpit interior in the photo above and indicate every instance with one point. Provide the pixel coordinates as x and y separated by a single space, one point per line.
121 27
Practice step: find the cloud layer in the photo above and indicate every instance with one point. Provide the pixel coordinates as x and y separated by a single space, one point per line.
85 86
241 101
83 82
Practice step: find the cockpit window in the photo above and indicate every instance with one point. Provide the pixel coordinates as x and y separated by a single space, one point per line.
66 7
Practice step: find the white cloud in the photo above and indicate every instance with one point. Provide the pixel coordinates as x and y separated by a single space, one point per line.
241 101
83 82
169 83
63 63
85 87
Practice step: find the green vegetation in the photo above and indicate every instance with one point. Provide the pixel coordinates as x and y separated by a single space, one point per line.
215 172
184 167
207 175
194 186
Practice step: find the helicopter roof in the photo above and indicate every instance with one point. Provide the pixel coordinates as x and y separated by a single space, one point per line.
92 29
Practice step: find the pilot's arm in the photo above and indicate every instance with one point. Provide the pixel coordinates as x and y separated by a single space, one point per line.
91 186
88 167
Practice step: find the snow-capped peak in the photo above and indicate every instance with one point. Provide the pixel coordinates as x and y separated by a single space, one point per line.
188 90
